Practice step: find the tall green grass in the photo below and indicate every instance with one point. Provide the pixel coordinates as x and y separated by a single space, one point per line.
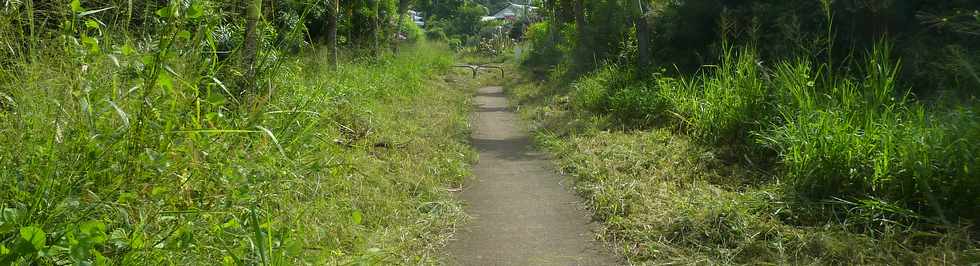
860 137
852 136
103 162
665 198
130 136
723 104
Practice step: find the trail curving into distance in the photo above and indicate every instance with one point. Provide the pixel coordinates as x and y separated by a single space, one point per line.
522 213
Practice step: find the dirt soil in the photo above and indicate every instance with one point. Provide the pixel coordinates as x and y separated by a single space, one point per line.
523 212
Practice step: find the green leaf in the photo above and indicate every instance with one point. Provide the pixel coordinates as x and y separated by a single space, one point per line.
165 12
136 241
86 13
92 24
92 44
148 60
76 6
357 217
164 81
94 232
99 258
119 238
195 11
128 49
35 236
8 220
184 35
216 99
232 224
160 189
126 197
6 255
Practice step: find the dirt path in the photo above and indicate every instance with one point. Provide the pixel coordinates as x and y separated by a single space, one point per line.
522 212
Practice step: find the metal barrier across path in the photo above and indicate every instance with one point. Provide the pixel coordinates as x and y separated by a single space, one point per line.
476 69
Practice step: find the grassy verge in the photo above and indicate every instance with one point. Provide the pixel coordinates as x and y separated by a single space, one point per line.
325 167
678 195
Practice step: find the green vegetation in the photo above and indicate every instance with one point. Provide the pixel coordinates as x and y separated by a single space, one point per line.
668 197
330 166
330 132
185 132
721 132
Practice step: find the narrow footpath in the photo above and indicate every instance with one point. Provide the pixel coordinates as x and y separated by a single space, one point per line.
523 213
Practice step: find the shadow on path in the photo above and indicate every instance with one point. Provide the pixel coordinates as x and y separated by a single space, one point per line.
521 213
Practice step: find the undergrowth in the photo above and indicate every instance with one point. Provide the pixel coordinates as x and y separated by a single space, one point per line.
751 165
320 167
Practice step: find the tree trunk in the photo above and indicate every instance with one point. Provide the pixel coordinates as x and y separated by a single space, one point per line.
377 28
333 9
250 49
555 24
580 18
402 10
585 52
643 38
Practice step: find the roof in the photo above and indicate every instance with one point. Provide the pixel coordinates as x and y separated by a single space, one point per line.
514 10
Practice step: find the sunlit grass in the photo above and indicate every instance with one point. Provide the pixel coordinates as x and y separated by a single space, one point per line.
320 167
743 164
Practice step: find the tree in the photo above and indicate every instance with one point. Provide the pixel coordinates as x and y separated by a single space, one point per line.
333 9
584 46
250 49
643 35
402 10
377 31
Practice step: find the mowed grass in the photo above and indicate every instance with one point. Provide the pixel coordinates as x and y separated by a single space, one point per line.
322 167
668 197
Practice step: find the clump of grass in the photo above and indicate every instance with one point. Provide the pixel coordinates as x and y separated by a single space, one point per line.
591 93
725 103
860 137
721 106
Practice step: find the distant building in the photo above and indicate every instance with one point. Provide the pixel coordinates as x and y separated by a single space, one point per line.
417 18
513 12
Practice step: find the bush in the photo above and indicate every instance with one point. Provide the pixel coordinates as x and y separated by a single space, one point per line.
591 92
546 51
616 91
436 34
412 31
639 103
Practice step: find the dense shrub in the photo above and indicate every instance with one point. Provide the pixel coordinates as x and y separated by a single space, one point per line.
547 47
616 91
